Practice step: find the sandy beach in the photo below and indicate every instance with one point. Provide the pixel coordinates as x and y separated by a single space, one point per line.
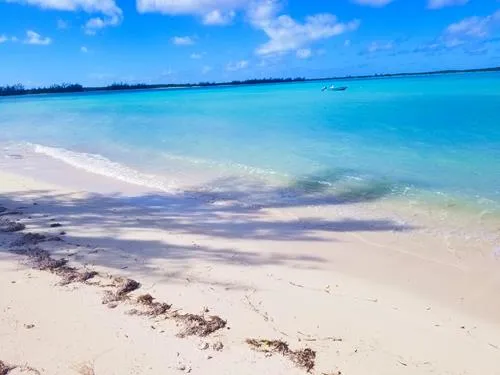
349 289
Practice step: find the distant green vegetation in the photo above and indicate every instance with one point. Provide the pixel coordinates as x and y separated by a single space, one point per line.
66 87
72 88
21 90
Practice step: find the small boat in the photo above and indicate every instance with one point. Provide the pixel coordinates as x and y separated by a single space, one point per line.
340 88
333 88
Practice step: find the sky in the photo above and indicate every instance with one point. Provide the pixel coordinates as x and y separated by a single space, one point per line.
98 42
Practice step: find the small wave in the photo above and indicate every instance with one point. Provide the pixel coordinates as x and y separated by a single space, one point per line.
103 166
251 170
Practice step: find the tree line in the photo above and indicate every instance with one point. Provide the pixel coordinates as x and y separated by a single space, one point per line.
74 87
19 89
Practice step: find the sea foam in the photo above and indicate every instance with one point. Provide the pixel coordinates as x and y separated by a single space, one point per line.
103 166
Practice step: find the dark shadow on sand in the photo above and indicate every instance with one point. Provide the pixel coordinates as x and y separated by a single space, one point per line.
235 211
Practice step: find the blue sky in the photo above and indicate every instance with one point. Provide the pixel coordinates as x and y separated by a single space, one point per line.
96 42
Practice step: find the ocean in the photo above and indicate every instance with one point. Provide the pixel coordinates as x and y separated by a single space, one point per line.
432 139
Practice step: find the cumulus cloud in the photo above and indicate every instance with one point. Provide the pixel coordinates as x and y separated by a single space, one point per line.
211 12
438 4
286 34
98 23
304 53
3 39
196 56
217 17
235 66
84 49
474 27
206 69
182 40
112 14
373 3
36 39
469 33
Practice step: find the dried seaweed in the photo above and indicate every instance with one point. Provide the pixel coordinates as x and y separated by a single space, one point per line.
5 368
145 299
153 309
197 325
125 286
71 275
30 239
40 259
269 346
304 358
10 226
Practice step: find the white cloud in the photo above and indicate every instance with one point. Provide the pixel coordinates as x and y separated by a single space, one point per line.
98 23
84 49
239 65
112 13
380 46
107 7
217 17
36 39
196 56
3 39
14 39
347 43
474 27
304 53
211 12
373 3
206 69
466 33
182 40
285 34
438 4
188 6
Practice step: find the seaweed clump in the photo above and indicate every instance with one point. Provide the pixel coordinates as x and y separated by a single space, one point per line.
304 358
124 287
40 259
153 309
5 368
197 325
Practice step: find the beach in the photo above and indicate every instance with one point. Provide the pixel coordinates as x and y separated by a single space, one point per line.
242 187
366 286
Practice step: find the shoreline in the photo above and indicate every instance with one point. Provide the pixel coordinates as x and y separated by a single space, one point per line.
395 291
271 81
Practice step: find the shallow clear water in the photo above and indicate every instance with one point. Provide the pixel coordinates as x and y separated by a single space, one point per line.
434 137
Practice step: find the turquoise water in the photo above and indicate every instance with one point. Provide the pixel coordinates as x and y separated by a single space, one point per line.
429 136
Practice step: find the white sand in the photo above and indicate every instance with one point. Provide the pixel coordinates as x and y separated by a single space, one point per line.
403 302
